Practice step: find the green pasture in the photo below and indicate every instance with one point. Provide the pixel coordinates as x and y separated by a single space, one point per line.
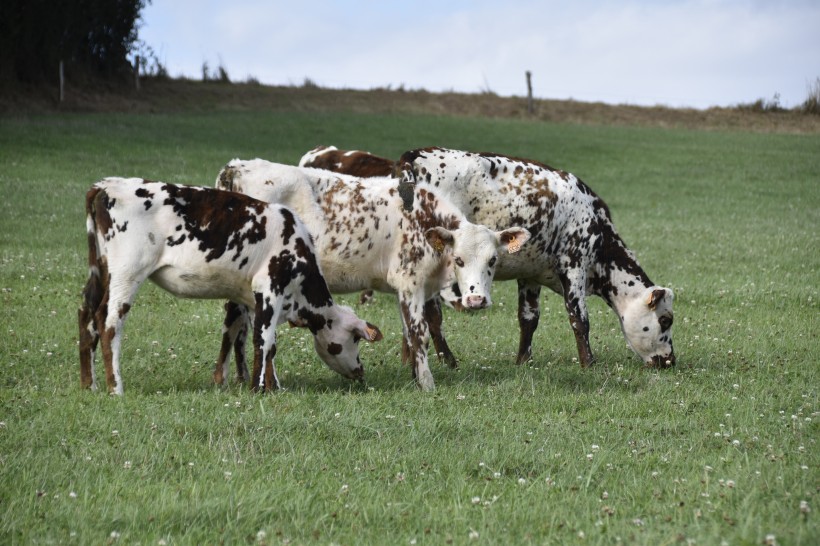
722 449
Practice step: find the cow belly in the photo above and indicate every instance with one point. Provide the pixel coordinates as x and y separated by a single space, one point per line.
528 269
203 284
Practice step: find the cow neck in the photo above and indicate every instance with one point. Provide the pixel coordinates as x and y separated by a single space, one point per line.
617 277
433 211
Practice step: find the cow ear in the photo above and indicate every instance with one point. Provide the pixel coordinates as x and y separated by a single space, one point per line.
370 332
438 237
655 297
513 238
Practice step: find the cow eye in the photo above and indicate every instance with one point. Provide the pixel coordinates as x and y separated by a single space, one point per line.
459 262
492 262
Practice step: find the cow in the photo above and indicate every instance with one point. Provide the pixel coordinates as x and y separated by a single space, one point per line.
355 163
205 243
371 234
352 162
575 249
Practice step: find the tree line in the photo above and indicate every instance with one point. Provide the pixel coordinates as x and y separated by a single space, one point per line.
91 37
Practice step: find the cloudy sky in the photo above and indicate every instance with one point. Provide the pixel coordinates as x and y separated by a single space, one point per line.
694 53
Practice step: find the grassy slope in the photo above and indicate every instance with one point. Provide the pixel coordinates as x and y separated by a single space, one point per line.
721 448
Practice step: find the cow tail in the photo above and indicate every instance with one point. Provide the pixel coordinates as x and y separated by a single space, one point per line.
93 293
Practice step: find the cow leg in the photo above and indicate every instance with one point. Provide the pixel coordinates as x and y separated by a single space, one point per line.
417 335
110 320
239 345
575 302
432 315
234 333
264 345
89 334
528 315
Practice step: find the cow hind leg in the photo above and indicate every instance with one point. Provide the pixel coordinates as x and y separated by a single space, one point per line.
528 315
89 334
110 320
234 333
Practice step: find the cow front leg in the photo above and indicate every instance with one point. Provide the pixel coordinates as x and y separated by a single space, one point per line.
575 303
264 345
432 315
234 334
528 315
417 335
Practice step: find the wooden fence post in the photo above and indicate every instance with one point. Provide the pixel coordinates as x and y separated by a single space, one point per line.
530 108
62 82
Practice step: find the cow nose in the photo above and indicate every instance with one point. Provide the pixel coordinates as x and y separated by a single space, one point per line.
357 374
661 361
476 302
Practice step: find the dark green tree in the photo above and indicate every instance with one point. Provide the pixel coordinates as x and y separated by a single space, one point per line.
92 37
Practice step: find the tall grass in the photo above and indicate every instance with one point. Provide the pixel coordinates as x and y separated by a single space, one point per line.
722 448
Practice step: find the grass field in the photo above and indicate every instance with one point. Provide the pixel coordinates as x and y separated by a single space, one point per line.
720 449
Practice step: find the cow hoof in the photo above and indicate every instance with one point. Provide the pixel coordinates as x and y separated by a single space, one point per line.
425 381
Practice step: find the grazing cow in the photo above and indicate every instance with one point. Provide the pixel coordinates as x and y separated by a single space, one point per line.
575 249
367 238
355 163
205 243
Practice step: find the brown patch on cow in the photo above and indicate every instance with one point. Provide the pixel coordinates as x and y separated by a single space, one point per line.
361 164
226 178
313 321
219 221
289 227
334 349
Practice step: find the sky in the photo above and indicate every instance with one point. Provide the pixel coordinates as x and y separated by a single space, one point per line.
678 53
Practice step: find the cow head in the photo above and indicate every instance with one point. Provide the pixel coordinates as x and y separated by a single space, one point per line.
475 251
337 343
647 326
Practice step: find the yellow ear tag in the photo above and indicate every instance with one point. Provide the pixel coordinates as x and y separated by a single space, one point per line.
371 333
438 246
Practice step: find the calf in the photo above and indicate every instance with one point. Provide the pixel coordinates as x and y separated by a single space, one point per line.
355 163
575 249
367 238
205 243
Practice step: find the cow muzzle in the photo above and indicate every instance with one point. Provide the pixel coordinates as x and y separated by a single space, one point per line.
661 361
476 302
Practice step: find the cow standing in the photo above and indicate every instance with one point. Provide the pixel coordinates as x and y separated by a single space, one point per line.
205 243
366 238
575 249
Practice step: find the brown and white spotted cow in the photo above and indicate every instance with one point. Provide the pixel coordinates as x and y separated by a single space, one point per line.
205 243
366 238
352 162
575 249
